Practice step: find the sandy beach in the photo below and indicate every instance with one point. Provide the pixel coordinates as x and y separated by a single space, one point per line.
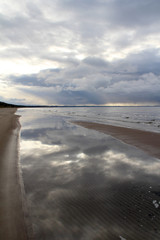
83 184
11 213
12 221
146 141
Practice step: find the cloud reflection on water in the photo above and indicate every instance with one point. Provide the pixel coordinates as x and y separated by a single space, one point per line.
81 184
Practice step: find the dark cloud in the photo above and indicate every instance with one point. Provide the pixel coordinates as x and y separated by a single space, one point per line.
135 13
147 61
94 81
95 62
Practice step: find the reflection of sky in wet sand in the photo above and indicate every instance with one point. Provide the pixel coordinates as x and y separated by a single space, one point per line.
81 184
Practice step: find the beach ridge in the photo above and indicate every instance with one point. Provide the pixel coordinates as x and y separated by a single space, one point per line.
147 141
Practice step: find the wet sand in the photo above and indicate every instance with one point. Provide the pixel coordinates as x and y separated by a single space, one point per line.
146 141
82 184
12 226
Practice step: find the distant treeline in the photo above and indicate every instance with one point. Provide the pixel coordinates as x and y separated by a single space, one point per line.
6 105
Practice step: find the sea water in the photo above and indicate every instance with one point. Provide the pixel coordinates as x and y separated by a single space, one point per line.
144 118
85 185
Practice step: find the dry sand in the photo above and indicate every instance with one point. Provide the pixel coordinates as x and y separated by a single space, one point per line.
147 141
12 225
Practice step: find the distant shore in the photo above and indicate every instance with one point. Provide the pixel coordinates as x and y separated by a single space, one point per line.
12 225
146 141
9 105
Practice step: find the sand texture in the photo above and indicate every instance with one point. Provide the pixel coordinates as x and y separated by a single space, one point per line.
147 141
12 226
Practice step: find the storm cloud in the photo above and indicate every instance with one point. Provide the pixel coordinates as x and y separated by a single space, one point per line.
80 52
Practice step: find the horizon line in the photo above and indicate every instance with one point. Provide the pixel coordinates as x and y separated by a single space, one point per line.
48 105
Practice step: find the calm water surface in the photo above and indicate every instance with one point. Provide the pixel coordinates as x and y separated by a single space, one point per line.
81 184
145 118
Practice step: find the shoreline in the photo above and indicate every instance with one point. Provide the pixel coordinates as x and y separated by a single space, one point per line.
149 142
12 219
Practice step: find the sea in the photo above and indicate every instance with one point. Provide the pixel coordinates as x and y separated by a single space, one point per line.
80 184
144 118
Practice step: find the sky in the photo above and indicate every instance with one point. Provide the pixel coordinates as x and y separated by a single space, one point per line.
80 52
